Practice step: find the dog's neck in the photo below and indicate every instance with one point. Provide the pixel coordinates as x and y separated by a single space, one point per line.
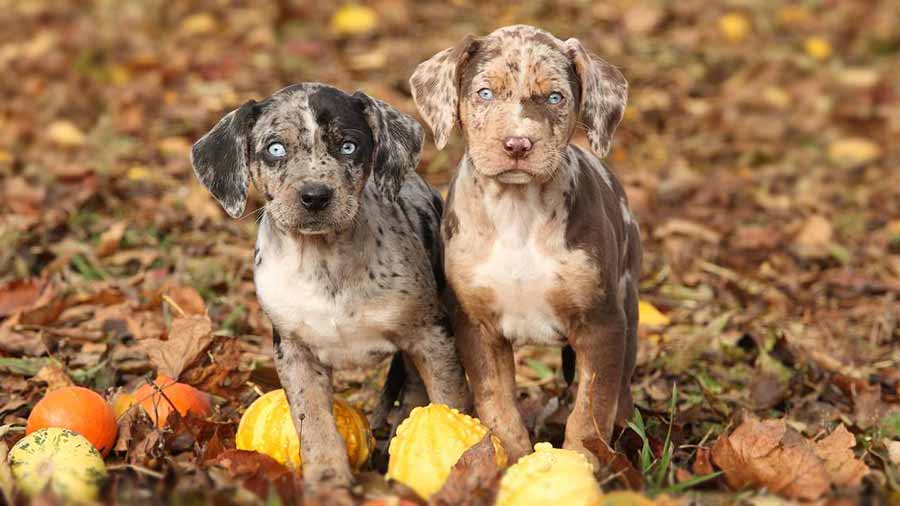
547 195
345 251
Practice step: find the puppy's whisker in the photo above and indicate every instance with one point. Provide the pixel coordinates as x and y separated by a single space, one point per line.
251 213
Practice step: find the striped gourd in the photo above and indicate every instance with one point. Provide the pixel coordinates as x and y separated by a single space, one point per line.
63 460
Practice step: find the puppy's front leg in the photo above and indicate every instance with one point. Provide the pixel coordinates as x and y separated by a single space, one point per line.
489 362
600 347
307 384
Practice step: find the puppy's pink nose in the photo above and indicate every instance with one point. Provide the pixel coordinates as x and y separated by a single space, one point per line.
517 147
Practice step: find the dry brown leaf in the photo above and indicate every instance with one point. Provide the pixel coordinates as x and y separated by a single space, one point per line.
19 294
187 299
770 454
54 375
702 466
474 479
894 452
616 464
109 240
65 133
843 468
814 237
189 337
259 473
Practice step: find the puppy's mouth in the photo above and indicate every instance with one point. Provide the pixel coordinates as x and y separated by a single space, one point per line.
514 176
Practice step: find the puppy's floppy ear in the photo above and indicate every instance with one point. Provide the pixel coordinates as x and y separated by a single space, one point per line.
221 158
604 92
398 144
435 87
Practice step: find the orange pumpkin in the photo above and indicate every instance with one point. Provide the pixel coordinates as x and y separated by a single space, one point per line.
80 410
185 398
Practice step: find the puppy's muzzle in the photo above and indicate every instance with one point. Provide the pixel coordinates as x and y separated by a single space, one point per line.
517 148
315 196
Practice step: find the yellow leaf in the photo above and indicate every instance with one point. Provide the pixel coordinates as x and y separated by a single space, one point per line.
138 173
354 19
853 151
793 15
651 316
198 24
734 27
176 146
66 134
119 75
818 48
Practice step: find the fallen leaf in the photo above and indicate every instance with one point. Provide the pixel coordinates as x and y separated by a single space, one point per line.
353 19
19 294
843 468
223 375
702 466
853 151
642 19
818 48
894 452
473 480
814 238
198 24
617 464
186 299
650 316
65 134
189 338
54 375
259 473
770 454
734 27
110 239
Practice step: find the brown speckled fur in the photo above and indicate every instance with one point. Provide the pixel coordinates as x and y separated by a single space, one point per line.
540 249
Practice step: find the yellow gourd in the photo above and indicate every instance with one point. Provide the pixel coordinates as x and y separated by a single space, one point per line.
267 427
63 460
550 476
429 443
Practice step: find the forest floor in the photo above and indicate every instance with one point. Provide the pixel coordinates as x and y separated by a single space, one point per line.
759 151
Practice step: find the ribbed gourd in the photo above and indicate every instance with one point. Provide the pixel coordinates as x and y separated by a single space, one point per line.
60 459
550 476
429 443
267 427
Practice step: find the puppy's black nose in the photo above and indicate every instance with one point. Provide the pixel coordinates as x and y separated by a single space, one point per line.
517 147
315 196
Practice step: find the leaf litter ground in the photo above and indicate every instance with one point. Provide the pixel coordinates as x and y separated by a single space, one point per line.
756 151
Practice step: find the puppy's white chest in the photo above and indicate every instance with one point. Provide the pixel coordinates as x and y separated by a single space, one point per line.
339 328
523 276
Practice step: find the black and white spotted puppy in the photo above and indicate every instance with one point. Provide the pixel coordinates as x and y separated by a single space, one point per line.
348 256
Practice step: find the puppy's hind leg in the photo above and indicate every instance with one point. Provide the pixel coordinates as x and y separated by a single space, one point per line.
307 384
434 357
601 348
626 402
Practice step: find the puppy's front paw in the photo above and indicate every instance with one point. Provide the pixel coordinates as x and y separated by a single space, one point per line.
322 477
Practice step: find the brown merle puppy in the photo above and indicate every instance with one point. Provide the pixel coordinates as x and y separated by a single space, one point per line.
348 257
541 247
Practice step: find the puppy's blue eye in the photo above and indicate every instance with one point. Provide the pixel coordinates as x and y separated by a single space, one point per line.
348 148
554 98
486 94
276 149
